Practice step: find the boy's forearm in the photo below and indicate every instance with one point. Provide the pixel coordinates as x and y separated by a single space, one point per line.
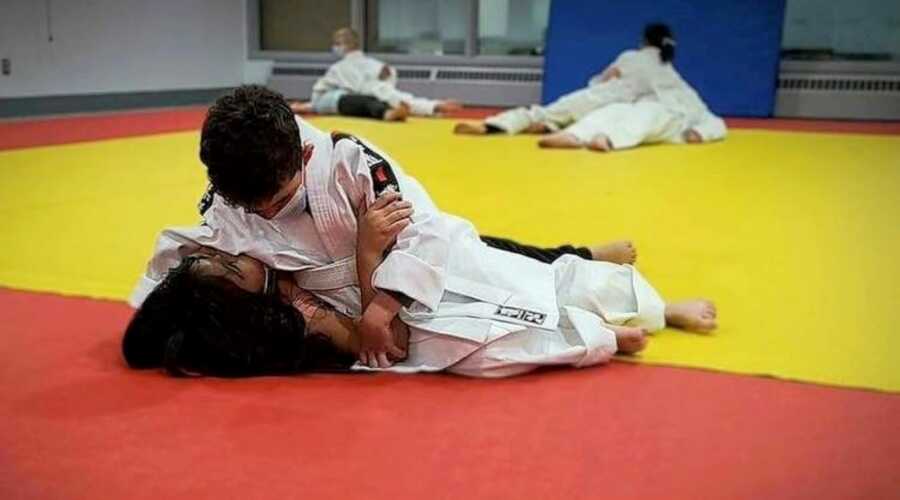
322 319
365 268
340 330
366 263
387 303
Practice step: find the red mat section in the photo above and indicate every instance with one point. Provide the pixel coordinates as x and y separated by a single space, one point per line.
75 423
25 133
822 126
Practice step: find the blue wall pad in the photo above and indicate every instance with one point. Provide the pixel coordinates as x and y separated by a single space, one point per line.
727 49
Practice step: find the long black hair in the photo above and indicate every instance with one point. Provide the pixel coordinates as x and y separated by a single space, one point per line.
198 325
659 35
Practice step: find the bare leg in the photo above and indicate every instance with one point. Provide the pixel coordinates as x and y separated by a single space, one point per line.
629 339
301 108
536 128
470 128
560 140
617 252
698 315
601 144
448 106
481 128
398 114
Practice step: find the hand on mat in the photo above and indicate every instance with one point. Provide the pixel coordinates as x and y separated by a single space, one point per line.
401 337
378 346
385 73
380 223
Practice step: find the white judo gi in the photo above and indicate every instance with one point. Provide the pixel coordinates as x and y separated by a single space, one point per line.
476 310
358 73
633 68
670 109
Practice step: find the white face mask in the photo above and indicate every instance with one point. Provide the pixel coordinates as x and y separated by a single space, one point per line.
338 49
297 204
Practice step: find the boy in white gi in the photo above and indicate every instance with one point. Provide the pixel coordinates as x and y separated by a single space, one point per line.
293 206
359 74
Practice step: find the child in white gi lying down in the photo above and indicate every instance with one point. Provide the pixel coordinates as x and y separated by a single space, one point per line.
223 315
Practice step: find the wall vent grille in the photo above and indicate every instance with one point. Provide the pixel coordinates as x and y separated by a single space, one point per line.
294 71
879 85
458 75
492 76
414 74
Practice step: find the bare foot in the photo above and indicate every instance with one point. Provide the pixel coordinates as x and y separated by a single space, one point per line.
398 114
536 128
600 144
560 140
301 108
629 339
448 106
698 315
691 136
617 252
469 128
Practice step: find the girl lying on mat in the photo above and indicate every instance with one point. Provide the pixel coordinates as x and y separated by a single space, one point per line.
217 314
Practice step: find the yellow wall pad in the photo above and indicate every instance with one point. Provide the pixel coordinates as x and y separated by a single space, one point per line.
795 235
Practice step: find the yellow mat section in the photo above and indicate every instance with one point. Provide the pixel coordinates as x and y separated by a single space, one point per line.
795 235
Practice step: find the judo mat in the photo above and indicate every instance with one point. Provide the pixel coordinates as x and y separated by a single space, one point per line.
792 233
76 424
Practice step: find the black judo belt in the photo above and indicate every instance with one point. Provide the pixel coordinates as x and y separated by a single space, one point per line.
383 178
207 200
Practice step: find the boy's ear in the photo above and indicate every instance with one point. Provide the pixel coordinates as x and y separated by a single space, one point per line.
307 151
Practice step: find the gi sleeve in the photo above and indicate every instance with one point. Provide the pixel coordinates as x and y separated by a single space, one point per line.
622 62
416 265
329 81
171 245
176 242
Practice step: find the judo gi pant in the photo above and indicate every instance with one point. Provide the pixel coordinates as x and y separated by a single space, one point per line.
349 104
630 124
563 111
545 255
419 106
364 106
589 294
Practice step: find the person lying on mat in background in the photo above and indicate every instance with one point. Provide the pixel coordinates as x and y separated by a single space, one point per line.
285 193
639 98
357 74
358 105
223 315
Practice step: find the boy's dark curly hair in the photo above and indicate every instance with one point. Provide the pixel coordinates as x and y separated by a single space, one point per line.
250 145
199 325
